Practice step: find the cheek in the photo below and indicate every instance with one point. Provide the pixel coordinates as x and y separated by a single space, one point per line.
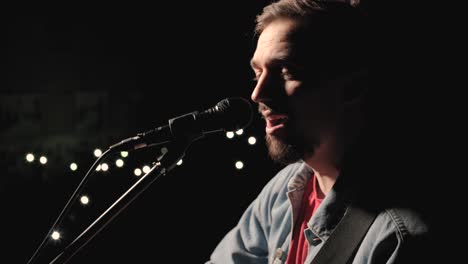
302 110
303 101
292 88
299 99
312 108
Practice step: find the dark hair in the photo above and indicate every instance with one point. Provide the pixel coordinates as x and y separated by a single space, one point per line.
335 33
304 9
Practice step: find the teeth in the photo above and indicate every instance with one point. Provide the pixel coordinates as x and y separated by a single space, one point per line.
273 121
276 118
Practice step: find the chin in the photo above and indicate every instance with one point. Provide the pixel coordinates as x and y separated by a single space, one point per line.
281 151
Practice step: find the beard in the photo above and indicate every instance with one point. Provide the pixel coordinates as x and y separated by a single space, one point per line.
290 147
282 152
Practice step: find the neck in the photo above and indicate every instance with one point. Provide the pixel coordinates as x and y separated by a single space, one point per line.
324 164
326 159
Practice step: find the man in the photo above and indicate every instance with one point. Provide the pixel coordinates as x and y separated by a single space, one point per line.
311 65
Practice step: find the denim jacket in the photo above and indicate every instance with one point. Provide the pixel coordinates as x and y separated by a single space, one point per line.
263 232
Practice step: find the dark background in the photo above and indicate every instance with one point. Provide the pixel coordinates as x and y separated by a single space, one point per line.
80 80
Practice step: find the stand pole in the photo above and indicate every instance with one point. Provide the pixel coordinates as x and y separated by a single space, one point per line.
116 208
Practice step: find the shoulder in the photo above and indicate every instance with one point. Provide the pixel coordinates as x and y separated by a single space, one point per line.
400 223
407 222
398 235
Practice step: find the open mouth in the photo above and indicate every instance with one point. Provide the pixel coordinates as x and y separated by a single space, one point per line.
275 123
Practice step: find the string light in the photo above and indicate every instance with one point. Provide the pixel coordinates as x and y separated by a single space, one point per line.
252 140
97 152
119 163
179 162
229 134
137 172
43 160
104 167
146 169
239 165
98 168
30 157
124 154
55 235
240 131
73 166
84 199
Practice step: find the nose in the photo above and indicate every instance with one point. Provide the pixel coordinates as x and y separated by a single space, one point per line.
255 96
262 91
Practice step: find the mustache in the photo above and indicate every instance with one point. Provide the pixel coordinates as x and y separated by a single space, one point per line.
274 108
262 107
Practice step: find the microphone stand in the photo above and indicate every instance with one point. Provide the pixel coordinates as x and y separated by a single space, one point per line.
164 165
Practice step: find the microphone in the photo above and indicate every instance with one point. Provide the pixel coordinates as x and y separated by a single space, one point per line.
229 114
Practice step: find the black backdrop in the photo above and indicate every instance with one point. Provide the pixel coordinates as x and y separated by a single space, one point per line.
80 80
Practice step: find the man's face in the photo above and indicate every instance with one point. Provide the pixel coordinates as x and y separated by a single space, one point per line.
298 110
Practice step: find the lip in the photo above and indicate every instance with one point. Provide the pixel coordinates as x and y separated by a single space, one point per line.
275 122
274 130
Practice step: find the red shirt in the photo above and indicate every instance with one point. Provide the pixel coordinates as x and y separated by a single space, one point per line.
299 245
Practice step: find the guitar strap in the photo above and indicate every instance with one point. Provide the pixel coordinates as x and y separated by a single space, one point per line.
345 239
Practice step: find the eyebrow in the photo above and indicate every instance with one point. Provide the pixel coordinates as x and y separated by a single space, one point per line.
280 60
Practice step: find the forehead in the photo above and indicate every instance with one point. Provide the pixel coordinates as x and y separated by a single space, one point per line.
275 40
278 30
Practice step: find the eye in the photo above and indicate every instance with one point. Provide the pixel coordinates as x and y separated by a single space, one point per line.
291 72
257 75
286 74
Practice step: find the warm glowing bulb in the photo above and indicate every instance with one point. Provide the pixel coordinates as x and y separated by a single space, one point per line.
252 140
124 154
97 152
179 162
240 131
239 165
137 172
84 199
73 166
119 163
229 134
30 157
104 167
43 160
55 235
146 169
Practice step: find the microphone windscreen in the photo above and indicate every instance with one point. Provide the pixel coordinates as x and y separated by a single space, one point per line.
229 114
237 113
